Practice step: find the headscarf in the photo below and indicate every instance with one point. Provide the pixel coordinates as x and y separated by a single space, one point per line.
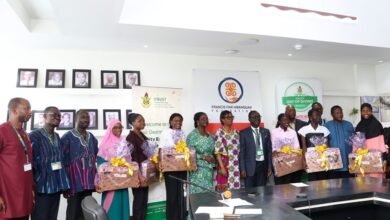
109 141
370 126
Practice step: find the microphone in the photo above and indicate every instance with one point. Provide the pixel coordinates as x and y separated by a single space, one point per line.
194 184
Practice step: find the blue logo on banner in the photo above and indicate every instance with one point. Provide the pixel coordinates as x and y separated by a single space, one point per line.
230 90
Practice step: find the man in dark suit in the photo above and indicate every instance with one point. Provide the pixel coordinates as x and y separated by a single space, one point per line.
255 152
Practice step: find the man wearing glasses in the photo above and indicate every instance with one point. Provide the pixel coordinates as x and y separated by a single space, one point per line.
255 152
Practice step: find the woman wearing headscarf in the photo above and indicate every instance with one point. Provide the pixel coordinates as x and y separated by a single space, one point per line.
203 142
227 148
115 203
176 204
373 131
141 151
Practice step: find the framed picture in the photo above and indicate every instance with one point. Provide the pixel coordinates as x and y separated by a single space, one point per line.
131 79
37 119
93 118
81 78
109 79
27 78
67 119
128 125
55 78
109 114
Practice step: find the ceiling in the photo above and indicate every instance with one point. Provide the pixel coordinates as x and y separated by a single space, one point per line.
93 25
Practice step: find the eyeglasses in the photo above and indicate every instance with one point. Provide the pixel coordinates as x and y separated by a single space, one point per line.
229 117
117 127
255 116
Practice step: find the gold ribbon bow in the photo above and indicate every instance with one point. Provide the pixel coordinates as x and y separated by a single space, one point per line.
154 159
324 161
358 161
288 150
181 147
121 162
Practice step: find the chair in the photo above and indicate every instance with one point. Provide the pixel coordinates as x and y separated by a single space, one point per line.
92 210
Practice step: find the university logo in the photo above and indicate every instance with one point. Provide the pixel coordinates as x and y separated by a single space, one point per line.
230 90
300 95
146 100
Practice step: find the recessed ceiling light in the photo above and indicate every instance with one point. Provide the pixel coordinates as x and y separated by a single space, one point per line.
146 46
298 46
290 54
232 51
248 42
380 61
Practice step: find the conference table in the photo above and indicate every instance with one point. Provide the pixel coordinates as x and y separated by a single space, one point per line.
348 198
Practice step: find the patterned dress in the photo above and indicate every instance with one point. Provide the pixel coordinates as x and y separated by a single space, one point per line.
204 146
228 145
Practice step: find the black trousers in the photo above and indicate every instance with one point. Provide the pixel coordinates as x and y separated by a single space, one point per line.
323 175
140 203
176 203
289 178
46 206
74 210
259 178
339 174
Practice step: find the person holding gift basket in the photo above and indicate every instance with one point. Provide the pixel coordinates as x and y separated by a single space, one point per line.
313 131
285 141
227 148
176 204
115 203
373 131
142 150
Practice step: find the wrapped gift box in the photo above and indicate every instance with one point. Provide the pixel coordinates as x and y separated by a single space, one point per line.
287 163
149 171
313 159
172 161
112 178
371 163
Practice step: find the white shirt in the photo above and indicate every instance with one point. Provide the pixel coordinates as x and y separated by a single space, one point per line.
167 138
309 129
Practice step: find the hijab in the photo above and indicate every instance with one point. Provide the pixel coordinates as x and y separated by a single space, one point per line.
371 127
106 148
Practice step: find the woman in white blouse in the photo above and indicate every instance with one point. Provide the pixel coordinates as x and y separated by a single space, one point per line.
176 205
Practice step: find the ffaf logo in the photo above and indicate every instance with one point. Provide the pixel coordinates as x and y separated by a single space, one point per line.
300 95
146 100
230 90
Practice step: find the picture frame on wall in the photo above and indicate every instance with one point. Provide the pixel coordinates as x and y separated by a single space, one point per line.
27 78
68 118
109 79
131 78
109 114
93 119
37 119
81 78
55 78
128 112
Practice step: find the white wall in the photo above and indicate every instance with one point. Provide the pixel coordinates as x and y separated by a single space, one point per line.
342 83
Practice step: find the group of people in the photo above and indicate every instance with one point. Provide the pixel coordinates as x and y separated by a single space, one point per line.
40 166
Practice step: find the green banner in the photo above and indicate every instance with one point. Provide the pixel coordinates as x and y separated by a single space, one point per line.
301 103
156 211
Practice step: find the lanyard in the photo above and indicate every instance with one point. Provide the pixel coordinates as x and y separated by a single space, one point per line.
53 142
23 143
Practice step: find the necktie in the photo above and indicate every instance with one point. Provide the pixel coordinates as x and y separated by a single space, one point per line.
259 146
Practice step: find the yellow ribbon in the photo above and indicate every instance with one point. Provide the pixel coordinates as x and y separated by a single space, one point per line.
288 150
121 162
324 161
154 159
358 161
181 147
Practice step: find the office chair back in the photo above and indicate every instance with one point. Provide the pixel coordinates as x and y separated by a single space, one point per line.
92 210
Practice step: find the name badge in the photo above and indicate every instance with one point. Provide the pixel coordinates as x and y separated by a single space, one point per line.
56 166
27 167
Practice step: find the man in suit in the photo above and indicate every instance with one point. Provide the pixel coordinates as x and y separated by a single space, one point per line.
255 152
295 123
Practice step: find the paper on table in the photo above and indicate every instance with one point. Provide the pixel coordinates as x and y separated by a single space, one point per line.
214 212
248 211
235 202
299 184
